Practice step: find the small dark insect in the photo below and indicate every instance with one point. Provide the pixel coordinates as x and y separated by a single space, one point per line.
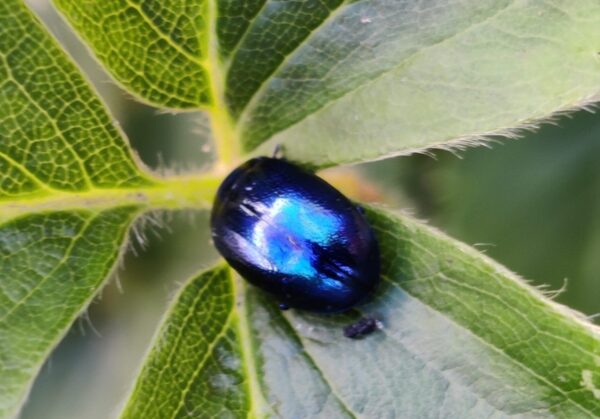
362 327
295 236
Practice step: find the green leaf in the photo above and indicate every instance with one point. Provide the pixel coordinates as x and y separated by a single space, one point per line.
52 265
334 82
462 337
155 49
56 135
380 77
196 365
69 190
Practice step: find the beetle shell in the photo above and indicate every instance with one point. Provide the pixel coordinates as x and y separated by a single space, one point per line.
295 236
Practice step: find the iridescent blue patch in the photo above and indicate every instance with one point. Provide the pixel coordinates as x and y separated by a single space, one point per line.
292 234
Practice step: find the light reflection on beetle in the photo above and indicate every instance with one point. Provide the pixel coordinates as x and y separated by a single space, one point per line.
295 236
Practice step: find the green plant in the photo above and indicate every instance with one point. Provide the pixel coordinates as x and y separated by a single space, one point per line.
334 82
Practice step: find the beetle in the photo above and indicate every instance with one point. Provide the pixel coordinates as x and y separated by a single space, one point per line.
295 236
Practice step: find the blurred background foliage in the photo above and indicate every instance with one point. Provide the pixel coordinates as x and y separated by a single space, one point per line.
531 204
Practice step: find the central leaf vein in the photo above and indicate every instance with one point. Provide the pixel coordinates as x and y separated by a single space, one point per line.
314 364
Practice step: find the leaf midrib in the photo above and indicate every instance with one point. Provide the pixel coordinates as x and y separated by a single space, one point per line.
257 405
225 138
173 193
257 94
240 41
245 115
306 351
173 347
312 362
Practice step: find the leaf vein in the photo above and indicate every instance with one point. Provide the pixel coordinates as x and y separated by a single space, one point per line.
190 313
163 35
245 114
202 363
497 350
58 132
256 95
24 170
236 48
59 264
311 361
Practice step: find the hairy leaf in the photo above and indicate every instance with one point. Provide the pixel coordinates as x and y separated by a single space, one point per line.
52 265
196 365
460 72
56 135
462 337
381 77
333 81
69 189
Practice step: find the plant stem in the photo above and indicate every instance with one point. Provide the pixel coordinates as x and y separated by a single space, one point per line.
226 141
173 193
227 151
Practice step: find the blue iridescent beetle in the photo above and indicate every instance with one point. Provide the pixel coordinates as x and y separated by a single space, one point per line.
295 236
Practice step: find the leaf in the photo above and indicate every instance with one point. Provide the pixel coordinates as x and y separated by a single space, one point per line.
69 190
52 265
334 82
56 135
381 77
155 49
463 337
196 363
